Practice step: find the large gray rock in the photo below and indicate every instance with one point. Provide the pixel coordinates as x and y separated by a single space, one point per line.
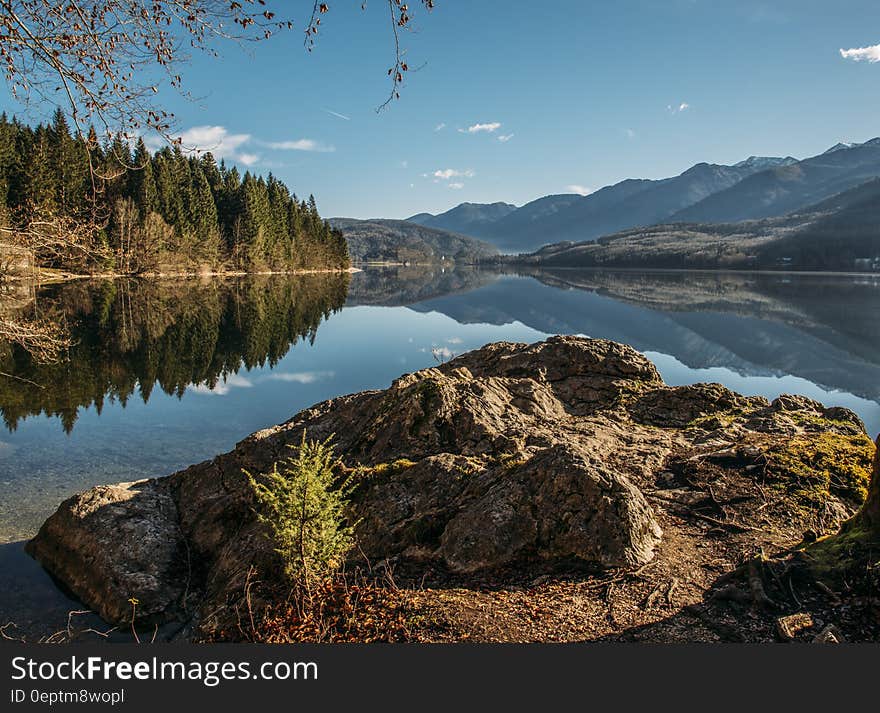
512 455
559 505
115 543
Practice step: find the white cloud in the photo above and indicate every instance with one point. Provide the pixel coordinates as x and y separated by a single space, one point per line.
684 106
456 186
442 353
302 377
215 139
300 145
248 159
477 128
504 138
580 190
440 126
862 54
223 387
447 173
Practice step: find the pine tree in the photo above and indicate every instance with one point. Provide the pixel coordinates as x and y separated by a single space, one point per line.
161 208
141 183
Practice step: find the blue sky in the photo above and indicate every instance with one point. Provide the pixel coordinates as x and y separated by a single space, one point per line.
584 94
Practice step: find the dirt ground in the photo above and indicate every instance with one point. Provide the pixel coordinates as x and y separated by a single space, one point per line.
729 568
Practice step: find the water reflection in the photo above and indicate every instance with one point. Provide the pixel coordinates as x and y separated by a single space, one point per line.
132 335
824 329
232 356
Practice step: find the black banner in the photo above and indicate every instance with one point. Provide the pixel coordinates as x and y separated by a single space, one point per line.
406 677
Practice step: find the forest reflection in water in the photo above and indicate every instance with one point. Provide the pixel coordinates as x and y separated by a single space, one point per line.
131 336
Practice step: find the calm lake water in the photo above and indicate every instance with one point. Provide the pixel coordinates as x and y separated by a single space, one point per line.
168 373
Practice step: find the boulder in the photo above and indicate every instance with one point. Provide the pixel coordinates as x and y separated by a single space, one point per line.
115 543
510 456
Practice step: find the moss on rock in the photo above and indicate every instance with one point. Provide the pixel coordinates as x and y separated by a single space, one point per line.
819 466
386 469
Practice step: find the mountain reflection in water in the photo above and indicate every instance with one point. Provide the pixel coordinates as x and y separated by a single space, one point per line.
167 373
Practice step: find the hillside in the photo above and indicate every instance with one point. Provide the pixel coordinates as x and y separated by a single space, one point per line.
789 188
400 241
753 189
627 204
624 205
839 233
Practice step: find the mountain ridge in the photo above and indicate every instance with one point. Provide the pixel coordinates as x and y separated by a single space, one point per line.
755 188
838 233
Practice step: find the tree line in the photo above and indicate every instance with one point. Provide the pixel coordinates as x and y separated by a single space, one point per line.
93 206
131 336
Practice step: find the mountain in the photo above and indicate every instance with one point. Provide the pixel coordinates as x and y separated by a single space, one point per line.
466 218
629 203
762 163
839 233
839 146
522 225
757 188
396 241
788 188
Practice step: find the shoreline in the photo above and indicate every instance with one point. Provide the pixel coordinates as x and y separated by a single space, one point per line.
686 270
50 276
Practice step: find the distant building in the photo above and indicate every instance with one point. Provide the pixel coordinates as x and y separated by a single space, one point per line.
868 264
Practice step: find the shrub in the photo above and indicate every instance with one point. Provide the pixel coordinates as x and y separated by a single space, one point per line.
305 511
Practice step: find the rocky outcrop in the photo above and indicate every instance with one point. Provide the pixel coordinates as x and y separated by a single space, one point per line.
507 456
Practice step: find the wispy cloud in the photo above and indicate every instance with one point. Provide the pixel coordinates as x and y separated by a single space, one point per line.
763 13
456 186
504 138
440 126
477 128
337 114
862 54
673 109
238 148
446 173
299 145
630 134
579 189
302 377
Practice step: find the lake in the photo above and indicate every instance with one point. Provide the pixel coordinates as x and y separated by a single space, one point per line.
166 373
